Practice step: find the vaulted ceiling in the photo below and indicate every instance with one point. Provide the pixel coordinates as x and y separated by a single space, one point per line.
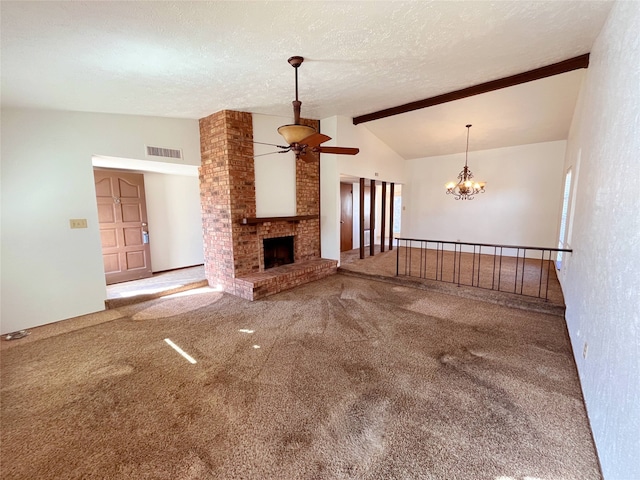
190 59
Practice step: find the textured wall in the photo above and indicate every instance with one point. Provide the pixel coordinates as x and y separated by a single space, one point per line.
601 279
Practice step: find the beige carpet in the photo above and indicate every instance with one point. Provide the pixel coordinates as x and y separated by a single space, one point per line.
341 378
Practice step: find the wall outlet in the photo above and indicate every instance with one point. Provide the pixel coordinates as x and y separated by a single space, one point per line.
585 349
376 174
78 223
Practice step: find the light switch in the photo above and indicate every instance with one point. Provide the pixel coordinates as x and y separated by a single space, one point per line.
78 222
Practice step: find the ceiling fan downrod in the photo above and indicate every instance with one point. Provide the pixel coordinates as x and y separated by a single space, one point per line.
295 62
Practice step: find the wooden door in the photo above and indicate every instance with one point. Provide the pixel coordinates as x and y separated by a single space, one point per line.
346 217
122 214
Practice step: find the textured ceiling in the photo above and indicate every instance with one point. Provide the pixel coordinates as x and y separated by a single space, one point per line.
190 59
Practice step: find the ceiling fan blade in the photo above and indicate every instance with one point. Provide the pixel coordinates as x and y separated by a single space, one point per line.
314 140
337 150
283 147
270 153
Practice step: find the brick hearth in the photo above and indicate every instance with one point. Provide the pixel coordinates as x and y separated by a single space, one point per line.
234 255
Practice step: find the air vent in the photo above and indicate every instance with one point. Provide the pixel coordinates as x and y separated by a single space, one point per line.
163 152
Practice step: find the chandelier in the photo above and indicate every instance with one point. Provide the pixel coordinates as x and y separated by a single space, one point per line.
466 187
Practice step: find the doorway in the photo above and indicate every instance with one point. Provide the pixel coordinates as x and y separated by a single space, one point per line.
122 216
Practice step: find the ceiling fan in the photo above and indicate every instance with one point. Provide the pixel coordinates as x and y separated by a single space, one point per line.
302 139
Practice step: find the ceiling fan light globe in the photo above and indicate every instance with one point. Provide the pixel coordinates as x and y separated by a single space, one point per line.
295 133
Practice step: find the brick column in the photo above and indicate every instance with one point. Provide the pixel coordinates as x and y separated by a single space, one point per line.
227 194
308 201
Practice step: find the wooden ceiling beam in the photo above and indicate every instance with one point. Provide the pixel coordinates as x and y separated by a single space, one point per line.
574 63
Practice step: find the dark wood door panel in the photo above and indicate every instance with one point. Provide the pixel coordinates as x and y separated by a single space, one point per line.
346 217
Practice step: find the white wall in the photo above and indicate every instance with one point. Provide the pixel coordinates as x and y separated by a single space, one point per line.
50 272
601 279
275 174
175 220
521 205
374 157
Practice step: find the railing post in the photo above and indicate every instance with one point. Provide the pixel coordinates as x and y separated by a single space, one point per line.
524 265
493 278
473 265
500 270
479 258
515 282
459 264
546 293
426 262
455 254
541 266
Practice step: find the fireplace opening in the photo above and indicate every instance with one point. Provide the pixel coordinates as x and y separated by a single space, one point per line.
277 251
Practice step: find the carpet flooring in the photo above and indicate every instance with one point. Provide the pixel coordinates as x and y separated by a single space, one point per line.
338 379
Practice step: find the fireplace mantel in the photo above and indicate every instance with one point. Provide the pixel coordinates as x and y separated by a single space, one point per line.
292 218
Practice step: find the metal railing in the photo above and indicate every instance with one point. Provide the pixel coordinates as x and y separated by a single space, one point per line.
505 268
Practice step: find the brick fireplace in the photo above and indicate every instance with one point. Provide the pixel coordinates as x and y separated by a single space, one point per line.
233 236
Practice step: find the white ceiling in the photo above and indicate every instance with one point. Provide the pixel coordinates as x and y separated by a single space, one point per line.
191 59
